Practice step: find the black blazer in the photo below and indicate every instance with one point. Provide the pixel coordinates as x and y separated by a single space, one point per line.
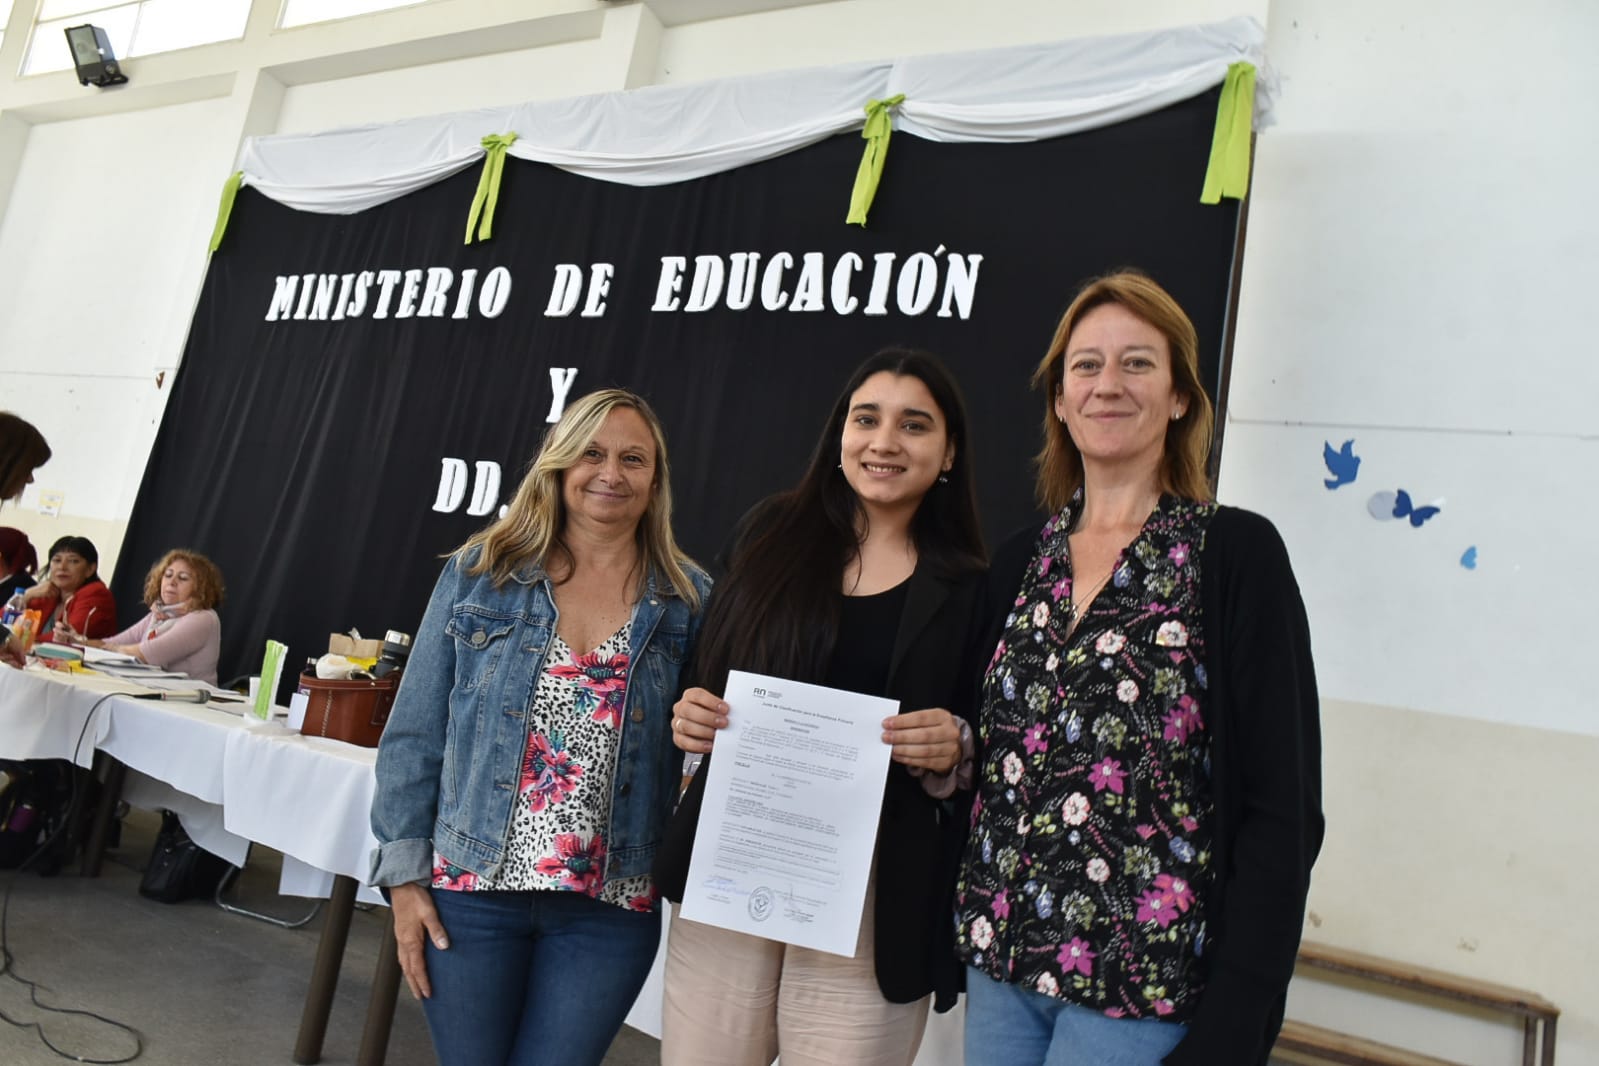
936 662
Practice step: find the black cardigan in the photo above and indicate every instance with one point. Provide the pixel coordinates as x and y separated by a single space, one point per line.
919 838
1265 754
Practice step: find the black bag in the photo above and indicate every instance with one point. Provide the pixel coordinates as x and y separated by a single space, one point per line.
35 815
179 868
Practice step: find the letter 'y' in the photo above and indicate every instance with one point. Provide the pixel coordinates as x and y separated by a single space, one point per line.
561 378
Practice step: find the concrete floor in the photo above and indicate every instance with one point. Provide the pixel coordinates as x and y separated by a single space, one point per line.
203 987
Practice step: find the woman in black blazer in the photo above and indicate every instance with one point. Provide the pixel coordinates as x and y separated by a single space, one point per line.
863 577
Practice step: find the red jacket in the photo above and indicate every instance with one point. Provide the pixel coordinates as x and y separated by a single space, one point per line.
92 610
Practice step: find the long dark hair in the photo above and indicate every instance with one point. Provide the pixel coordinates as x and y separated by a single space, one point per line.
777 609
22 448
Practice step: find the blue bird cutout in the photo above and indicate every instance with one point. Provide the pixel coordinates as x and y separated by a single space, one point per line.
1342 464
1468 558
1404 509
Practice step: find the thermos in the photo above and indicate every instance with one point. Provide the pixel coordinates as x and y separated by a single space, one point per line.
396 649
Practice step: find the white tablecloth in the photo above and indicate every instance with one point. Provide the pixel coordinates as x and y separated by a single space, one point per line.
233 780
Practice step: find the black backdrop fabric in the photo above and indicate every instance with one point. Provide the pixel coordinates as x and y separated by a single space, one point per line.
305 455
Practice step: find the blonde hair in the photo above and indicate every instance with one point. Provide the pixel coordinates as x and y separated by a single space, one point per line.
208 587
533 526
1187 445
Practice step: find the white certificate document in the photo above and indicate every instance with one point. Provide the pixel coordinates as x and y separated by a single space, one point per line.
784 846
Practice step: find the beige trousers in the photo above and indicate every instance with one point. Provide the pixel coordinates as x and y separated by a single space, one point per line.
737 1000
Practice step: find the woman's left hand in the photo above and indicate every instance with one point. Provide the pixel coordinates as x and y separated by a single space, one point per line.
930 739
65 634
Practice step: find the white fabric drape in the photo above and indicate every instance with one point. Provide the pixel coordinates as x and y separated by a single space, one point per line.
665 134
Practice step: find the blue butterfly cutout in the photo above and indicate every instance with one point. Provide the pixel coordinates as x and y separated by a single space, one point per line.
1404 509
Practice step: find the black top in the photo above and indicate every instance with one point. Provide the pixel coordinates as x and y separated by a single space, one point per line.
867 626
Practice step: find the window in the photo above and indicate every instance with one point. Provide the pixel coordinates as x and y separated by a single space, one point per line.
304 12
135 27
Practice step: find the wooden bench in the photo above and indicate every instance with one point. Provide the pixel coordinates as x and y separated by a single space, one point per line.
1538 1016
1326 1045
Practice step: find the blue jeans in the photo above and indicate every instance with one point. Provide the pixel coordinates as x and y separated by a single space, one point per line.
1007 1025
534 978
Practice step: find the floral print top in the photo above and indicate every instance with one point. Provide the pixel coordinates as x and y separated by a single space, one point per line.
1086 872
557 836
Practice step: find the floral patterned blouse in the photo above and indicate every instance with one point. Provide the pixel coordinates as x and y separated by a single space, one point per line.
557 836
1086 872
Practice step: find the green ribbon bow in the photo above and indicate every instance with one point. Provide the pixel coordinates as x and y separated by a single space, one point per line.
1228 172
488 186
879 126
230 189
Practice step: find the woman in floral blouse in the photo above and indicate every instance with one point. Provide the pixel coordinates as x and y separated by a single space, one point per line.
1149 790
526 772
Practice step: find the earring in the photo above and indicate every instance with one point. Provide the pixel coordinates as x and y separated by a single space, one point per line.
1175 415
943 479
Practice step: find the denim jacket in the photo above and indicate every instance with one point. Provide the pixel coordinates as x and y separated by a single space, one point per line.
451 756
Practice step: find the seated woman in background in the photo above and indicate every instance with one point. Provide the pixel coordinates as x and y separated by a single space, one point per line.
182 631
18 561
72 593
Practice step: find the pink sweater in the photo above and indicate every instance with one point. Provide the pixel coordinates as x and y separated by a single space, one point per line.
188 644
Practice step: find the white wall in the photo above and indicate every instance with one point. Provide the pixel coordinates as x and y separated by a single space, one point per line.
551 72
102 250
1421 241
1421 251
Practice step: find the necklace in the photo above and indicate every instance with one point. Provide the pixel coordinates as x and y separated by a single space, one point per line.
1073 614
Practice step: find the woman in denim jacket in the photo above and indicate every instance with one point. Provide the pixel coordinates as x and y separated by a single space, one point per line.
527 770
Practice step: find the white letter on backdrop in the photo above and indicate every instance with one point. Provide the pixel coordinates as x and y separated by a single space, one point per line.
843 274
877 298
387 279
433 297
670 281
343 301
918 283
486 488
600 275
408 295
565 290
561 378
741 280
452 486
961 284
363 284
707 287
496 292
283 297
463 299
772 295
